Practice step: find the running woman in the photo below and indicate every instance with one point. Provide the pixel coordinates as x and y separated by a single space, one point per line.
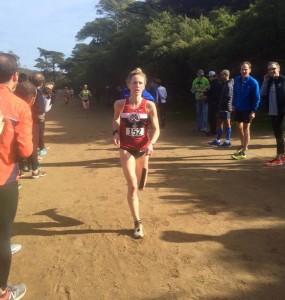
132 117
66 94
84 95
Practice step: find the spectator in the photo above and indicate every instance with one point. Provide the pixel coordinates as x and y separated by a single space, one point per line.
213 97
224 110
246 100
15 140
199 87
273 93
160 101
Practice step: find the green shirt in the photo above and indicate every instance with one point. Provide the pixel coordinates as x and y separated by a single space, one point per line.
199 86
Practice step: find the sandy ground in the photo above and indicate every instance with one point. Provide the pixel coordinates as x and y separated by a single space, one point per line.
214 227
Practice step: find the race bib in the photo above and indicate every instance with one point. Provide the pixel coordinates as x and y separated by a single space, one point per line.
134 132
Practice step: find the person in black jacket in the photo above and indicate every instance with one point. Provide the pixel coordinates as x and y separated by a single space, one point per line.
224 110
273 94
213 96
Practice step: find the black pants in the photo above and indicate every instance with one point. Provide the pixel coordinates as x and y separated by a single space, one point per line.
41 135
212 117
8 206
278 124
161 107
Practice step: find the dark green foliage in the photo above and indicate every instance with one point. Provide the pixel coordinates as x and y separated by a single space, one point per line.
172 39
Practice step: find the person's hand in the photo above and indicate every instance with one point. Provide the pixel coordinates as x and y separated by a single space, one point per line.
116 138
1 121
149 149
252 115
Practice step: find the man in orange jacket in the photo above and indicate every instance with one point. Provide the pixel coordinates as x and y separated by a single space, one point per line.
15 141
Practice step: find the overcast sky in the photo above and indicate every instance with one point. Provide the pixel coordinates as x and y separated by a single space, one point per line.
51 25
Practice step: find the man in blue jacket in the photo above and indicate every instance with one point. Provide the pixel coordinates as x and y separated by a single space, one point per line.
246 100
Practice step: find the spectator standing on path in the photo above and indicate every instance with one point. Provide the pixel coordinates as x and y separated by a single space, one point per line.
213 97
199 87
160 101
273 93
15 140
38 114
245 104
132 117
224 110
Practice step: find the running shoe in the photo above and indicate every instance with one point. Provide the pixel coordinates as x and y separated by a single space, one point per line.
38 173
15 248
226 144
215 143
240 155
42 152
274 162
138 231
15 292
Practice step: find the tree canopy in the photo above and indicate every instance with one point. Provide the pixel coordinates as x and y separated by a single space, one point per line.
172 39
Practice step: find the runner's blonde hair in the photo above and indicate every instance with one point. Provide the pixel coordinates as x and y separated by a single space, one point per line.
136 71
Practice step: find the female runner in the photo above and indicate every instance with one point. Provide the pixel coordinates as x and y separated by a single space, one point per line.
132 118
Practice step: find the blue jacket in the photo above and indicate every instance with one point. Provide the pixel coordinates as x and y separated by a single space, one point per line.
145 94
246 94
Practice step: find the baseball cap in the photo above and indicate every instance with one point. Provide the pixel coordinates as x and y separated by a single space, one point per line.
211 73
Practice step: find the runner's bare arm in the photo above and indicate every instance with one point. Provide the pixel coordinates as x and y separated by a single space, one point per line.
118 106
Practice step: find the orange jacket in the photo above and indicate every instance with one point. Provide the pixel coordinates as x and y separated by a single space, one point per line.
16 136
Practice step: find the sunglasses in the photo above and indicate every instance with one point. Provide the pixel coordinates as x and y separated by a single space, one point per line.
272 69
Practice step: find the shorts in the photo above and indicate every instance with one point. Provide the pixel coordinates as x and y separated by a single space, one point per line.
136 153
224 115
242 116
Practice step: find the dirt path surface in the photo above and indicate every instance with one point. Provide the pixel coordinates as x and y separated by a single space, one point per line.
214 227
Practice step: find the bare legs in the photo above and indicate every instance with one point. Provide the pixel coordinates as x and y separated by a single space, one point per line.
132 169
244 134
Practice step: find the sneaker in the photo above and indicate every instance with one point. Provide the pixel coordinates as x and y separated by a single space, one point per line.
215 143
15 248
274 162
226 144
38 173
42 152
240 155
15 292
138 231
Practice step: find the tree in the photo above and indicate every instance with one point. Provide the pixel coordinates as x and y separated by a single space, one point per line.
49 62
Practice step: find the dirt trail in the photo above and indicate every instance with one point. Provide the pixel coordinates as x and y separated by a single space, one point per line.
214 227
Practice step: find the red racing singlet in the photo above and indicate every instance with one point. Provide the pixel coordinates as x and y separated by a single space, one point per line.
134 126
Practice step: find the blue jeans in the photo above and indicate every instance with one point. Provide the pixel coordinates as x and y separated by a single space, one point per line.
8 206
202 114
